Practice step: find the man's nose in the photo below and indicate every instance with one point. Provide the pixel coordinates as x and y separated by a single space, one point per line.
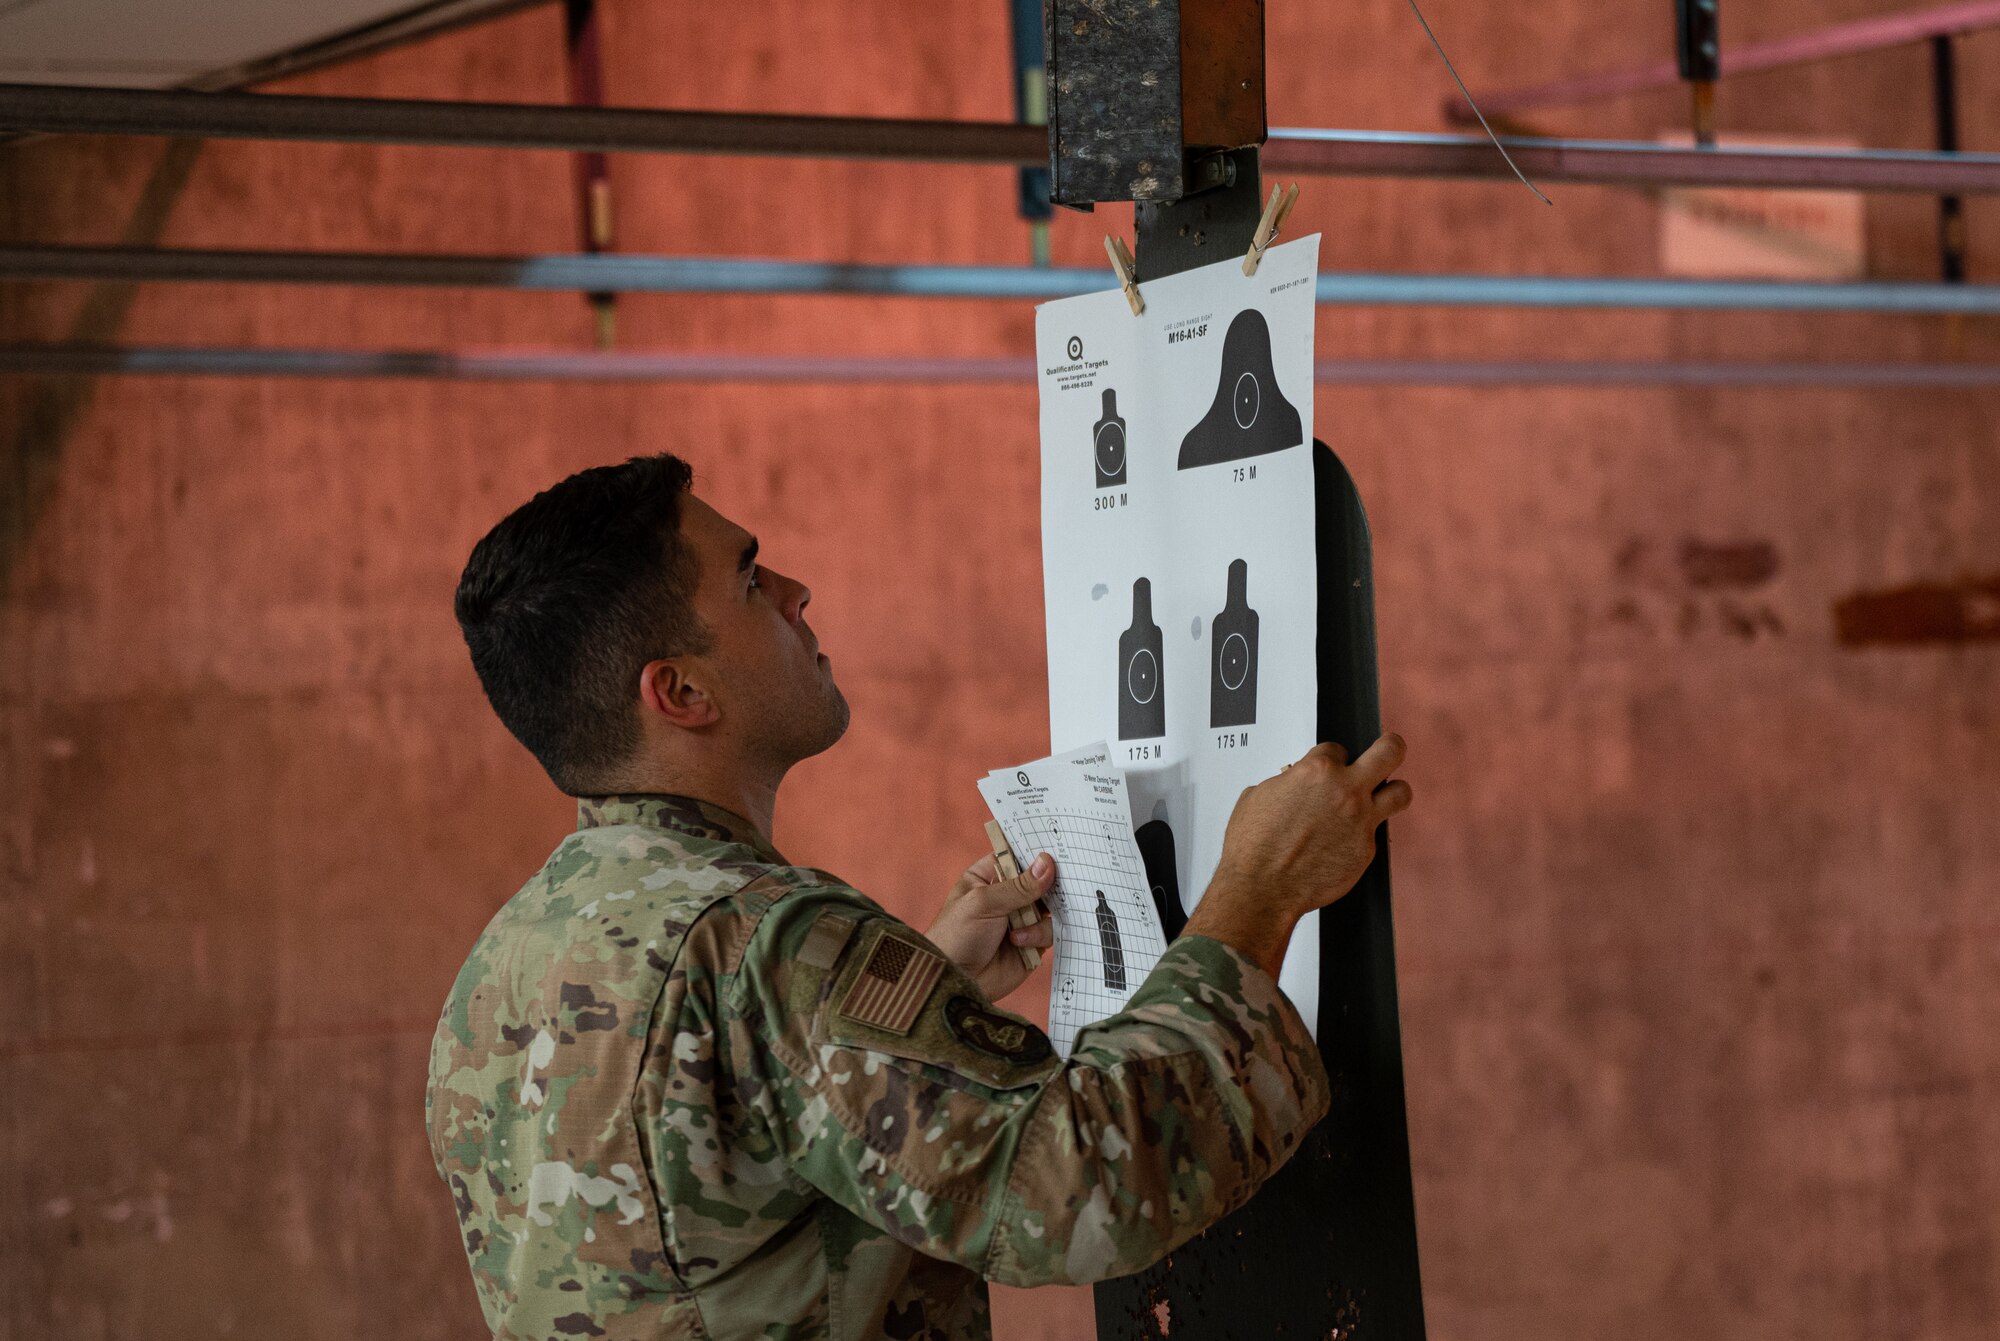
797 596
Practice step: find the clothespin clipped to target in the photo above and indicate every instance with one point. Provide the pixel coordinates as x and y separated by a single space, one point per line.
1127 270
1282 200
1003 860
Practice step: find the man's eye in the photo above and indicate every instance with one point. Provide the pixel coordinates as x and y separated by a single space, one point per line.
755 575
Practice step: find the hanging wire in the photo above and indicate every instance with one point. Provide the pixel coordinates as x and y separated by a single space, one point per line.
1475 106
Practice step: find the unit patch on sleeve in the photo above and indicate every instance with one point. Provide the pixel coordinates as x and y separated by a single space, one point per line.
992 1033
893 985
826 940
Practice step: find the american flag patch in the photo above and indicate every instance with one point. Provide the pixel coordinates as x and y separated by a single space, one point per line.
894 984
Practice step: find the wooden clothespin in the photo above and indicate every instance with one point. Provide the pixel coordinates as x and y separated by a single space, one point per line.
1127 271
1003 858
1280 205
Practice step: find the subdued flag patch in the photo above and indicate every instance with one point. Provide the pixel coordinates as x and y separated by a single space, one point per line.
894 984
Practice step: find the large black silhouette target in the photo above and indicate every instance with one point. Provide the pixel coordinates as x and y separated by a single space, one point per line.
1250 416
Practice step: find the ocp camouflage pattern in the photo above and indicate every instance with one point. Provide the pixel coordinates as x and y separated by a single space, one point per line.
655 1121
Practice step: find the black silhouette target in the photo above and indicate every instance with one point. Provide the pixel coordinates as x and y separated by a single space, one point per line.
1156 850
1111 943
1142 699
1233 633
1250 415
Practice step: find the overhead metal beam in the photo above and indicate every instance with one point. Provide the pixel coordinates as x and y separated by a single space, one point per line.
272 116
1354 153
1821 44
605 273
35 107
676 274
69 360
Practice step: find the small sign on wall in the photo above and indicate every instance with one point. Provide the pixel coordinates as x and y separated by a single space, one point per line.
1747 233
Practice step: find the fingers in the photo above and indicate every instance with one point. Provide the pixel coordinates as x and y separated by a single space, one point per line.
1392 798
1331 750
1381 759
1041 935
1023 889
975 876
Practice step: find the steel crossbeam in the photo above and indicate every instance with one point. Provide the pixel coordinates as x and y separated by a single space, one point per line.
274 116
34 107
1628 162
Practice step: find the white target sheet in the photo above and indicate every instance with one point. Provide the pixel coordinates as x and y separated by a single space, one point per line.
1108 938
1180 568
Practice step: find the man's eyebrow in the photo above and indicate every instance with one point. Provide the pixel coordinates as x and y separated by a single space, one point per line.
749 556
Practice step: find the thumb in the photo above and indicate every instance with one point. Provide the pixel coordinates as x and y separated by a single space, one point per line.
1024 888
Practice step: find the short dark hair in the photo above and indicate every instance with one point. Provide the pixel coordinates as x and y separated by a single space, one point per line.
566 600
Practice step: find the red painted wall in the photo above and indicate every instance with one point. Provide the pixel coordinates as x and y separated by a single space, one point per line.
1695 915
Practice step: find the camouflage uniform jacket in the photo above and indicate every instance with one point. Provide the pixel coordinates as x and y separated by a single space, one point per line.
684 1089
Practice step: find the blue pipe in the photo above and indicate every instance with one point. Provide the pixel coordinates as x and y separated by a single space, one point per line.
609 273
663 274
653 274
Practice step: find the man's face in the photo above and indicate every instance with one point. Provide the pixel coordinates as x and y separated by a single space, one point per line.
774 686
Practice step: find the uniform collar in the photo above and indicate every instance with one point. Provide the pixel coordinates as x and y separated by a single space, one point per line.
677 814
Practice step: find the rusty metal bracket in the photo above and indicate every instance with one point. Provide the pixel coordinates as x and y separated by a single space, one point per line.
1142 93
1211 226
583 42
1951 206
1698 52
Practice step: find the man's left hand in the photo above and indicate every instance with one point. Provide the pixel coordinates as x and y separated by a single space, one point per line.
972 927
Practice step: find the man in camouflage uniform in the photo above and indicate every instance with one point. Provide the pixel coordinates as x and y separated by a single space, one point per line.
684 1088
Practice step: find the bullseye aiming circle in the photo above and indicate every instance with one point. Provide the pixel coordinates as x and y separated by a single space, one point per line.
1235 661
1248 396
1110 449
1142 676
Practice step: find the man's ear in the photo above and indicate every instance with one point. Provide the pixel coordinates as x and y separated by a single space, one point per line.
665 688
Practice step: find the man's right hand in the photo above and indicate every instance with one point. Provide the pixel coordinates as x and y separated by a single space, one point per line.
1298 842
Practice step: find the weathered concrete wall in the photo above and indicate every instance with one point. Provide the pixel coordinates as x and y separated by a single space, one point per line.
1695 917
